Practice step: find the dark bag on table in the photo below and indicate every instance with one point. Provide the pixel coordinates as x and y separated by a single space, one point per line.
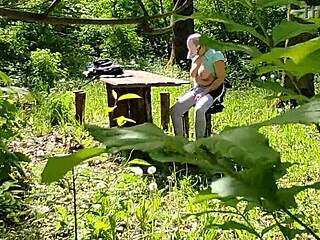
103 67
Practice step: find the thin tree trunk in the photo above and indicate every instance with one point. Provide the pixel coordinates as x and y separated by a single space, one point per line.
181 31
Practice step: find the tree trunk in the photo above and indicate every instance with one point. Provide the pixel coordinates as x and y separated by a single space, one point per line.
181 31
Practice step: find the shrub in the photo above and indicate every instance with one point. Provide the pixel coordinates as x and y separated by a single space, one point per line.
45 70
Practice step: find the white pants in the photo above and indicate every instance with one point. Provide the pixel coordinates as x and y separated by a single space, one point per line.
187 101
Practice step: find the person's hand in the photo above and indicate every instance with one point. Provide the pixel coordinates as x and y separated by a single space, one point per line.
199 95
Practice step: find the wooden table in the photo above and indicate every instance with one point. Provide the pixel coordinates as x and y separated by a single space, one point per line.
140 83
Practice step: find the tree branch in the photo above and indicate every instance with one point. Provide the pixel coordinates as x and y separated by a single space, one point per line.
41 18
51 7
158 31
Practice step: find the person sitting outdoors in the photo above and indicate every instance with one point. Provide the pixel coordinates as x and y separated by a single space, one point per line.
208 75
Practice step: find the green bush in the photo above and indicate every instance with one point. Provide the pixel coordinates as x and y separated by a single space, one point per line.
45 70
11 169
121 42
52 110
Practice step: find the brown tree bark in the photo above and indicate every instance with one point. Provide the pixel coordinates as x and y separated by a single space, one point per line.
181 31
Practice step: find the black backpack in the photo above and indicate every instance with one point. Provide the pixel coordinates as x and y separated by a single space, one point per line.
102 67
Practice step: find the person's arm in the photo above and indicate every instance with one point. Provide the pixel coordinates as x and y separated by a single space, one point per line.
194 72
219 67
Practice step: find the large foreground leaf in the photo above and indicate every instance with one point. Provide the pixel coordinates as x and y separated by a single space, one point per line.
231 225
253 185
287 30
149 138
306 114
236 144
277 88
57 167
144 137
286 196
275 3
226 46
298 53
231 26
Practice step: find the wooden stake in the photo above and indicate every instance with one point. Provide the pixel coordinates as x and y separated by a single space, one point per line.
165 110
80 102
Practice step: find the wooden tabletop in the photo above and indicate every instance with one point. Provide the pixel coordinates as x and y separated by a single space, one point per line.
132 78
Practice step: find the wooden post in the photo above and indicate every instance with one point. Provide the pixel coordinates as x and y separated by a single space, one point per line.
148 106
208 125
165 110
80 103
186 125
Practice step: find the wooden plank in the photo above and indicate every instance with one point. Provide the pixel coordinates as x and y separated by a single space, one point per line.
165 110
141 78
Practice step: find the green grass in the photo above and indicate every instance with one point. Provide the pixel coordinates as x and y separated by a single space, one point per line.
112 202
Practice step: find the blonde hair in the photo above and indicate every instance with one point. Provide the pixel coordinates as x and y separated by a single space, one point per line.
194 38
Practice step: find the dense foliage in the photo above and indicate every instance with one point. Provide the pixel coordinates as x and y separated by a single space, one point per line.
45 57
76 46
11 169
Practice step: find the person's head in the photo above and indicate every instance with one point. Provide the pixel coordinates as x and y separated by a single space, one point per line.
193 45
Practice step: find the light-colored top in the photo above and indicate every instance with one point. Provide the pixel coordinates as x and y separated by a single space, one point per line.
132 78
210 57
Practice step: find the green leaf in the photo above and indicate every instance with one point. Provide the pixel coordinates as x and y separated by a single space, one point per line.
205 195
245 3
144 137
309 65
21 157
123 120
282 169
57 167
314 20
232 225
298 53
291 233
305 114
276 3
114 94
236 144
286 196
287 30
236 27
5 79
148 138
231 26
110 109
276 87
225 46
128 96
267 229
138 161
252 184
